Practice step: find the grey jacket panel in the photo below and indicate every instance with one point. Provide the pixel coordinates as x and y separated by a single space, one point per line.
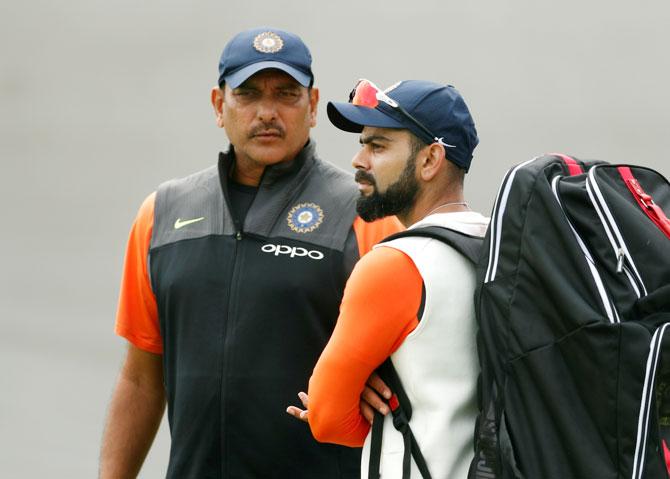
319 208
190 207
305 199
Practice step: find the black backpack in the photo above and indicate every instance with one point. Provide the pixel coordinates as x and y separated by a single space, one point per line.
573 307
399 404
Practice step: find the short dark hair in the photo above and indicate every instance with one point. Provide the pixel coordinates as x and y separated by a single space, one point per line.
416 144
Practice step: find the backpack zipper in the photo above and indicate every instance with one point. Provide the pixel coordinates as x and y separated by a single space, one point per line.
645 201
608 304
625 263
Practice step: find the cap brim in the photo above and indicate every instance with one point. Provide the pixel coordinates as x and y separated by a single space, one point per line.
235 79
353 118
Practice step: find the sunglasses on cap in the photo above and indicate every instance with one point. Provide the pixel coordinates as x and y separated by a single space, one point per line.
367 94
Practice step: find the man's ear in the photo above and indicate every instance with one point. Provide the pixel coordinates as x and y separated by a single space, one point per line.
217 104
431 161
313 104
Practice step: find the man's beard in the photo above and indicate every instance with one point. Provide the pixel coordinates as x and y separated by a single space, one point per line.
397 199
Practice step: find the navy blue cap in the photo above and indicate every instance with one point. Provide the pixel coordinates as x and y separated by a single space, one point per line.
258 49
439 108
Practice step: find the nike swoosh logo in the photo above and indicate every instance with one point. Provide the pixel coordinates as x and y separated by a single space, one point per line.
181 223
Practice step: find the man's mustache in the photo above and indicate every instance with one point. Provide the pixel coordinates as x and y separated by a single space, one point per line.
265 128
364 177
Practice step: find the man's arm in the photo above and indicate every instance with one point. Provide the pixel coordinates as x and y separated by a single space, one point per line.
135 412
379 309
368 235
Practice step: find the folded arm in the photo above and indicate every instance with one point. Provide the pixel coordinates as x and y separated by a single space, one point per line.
378 311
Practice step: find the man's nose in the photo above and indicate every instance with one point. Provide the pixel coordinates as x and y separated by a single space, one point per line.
267 110
360 160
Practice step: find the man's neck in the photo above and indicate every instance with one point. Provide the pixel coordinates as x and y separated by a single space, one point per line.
247 174
425 206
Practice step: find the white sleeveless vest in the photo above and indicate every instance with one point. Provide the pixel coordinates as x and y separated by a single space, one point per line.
437 362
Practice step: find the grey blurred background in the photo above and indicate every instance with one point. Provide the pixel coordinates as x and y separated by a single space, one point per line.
100 101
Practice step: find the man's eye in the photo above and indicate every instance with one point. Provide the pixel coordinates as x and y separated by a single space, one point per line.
288 94
243 93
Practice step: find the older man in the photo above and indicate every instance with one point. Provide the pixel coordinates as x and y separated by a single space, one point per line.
232 283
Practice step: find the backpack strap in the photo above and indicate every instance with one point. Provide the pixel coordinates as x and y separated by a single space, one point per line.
401 408
468 245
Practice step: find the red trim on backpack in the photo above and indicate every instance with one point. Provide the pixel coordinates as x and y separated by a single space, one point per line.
394 403
666 455
574 168
646 202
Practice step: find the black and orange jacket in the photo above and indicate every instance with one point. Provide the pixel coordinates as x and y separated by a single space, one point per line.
241 312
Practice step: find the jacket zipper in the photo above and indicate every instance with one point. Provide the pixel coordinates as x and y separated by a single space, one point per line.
231 314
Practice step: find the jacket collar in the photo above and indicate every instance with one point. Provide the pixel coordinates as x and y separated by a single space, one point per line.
276 191
272 173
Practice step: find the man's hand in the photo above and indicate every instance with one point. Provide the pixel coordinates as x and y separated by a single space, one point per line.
371 397
298 413
371 400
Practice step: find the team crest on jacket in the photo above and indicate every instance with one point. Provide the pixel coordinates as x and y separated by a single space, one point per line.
305 217
268 42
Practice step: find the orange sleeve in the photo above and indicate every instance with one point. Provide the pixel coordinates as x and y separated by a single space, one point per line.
369 234
137 314
378 311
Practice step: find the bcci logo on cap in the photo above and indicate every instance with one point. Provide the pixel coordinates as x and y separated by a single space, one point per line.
268 42
305 217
